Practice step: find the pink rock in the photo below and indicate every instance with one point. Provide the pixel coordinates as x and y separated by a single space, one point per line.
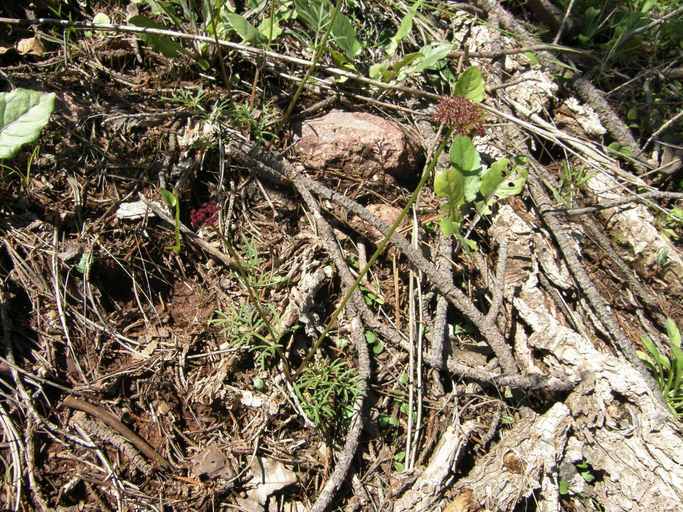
360 144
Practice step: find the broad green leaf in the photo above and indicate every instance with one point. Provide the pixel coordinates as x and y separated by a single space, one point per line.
677 368
371 337
449 226
268 27
471 85
464 155
23 114
429 57
450 184
244 29
163 44
344 35
513 184
493 177
472 183
314 13
404 29
532 58
387 71
673 332
317 14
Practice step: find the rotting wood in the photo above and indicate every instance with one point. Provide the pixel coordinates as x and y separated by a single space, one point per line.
429 486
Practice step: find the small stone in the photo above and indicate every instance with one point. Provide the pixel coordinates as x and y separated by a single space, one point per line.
360 144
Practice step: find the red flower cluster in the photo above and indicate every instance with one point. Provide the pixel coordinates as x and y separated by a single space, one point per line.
205 215
460 114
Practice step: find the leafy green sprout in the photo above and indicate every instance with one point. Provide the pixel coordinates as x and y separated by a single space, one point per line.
327 391
252 264
243 328
667 370
172 201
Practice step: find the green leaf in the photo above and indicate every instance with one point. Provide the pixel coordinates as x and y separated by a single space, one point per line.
564 487
268 25
344 35
464 155
101 19
377 348
532 58
493 177
371 337
429 57
23 114
244 29
314 13
387 421
317 14
85 262
619 149
169 197
673 332
404 28
163 44
471 85
449 226
387 71
450 184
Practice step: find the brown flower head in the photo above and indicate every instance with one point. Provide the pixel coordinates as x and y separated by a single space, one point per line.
460 114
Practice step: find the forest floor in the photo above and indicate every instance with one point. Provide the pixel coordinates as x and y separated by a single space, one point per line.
189 318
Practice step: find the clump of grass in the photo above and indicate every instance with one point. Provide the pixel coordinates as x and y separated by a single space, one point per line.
668 370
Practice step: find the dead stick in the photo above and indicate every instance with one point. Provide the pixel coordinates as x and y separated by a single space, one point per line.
113 422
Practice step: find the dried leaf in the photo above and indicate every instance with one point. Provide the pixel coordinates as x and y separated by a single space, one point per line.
30 46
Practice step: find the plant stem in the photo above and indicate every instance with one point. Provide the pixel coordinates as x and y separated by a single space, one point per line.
320 48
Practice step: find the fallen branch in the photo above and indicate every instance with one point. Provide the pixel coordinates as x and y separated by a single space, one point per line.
600 307
113 422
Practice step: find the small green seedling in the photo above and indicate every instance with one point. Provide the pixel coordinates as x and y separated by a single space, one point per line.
375 343
173 203
327 391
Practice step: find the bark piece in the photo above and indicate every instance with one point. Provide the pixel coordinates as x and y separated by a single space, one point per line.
633 226
429 487
626 436
524 464
358 143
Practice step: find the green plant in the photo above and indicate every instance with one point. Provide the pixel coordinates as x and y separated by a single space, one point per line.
466 183
172 201
244 328
23 115
327 391
376 345
671 223
572 178
252 266
255 121
667 370
327 23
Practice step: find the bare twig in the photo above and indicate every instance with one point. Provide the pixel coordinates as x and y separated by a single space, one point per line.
439 332
639 198
113 422
666 125
353 437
